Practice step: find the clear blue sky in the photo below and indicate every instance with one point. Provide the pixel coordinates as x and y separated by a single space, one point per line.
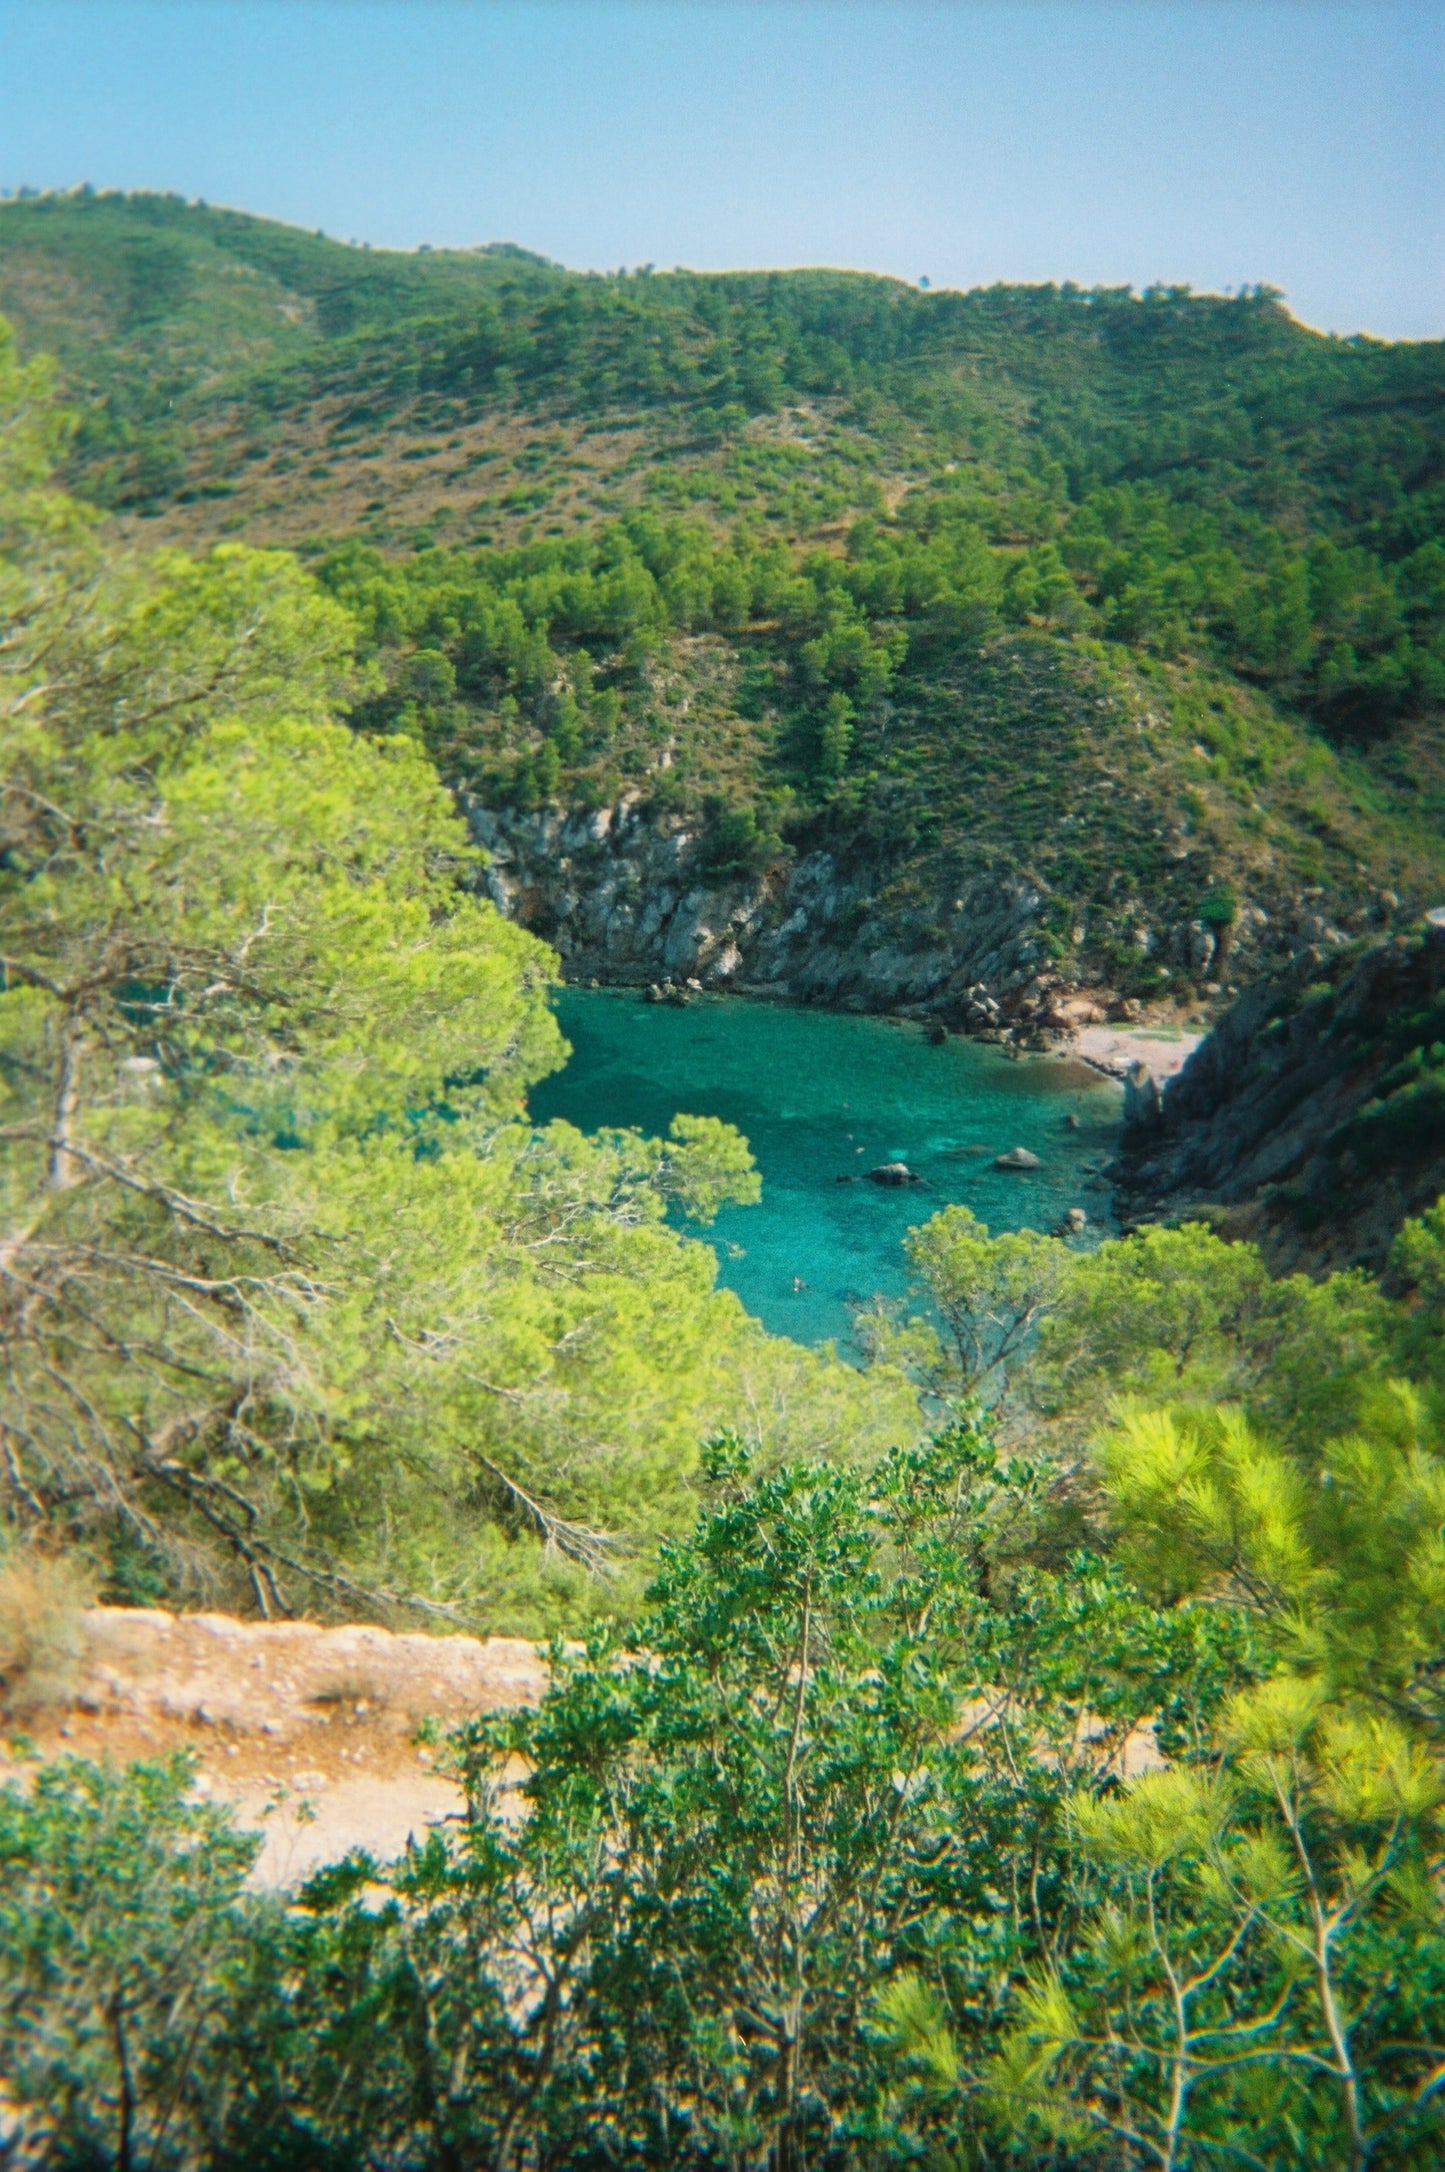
1208 141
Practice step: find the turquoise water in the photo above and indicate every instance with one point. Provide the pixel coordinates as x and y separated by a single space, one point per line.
820 1095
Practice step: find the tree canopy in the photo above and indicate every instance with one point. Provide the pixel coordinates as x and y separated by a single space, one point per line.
293 1289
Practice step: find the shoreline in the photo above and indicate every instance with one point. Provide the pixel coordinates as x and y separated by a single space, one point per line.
1110 1050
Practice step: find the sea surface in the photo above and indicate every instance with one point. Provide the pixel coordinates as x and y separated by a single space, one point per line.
821 1095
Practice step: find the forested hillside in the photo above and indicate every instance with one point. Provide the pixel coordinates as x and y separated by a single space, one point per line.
1142 595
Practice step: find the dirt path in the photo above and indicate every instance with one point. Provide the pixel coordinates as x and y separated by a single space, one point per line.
310 1732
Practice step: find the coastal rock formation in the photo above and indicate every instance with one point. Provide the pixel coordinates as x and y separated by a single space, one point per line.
626 895
1312 1118
892 1174
623 896
1142 1099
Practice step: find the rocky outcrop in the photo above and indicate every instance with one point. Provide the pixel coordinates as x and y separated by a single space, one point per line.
1312 1118
621 894
625 895
1143 1099
892 1174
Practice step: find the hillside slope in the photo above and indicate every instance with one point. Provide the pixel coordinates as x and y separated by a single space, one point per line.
1137 603
1312 1119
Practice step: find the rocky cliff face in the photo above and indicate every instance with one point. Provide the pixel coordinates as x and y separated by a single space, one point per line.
624 895
1312 1118
621 896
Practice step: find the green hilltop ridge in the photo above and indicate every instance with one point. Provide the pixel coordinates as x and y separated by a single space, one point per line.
1143 595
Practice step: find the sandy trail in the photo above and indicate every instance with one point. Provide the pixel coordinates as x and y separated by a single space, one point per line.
309 1732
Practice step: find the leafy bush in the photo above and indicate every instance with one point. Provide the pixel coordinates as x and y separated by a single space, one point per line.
1220 908
128 1955
858 1848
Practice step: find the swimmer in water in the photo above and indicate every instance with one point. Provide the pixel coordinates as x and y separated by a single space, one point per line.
799 1285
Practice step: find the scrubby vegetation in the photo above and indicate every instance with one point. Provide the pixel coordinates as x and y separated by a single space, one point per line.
1024 1751
898 1828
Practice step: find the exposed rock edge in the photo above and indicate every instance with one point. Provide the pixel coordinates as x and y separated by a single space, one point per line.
1275 1128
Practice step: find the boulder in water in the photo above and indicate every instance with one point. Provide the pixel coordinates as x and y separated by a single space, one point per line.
1017 1157
892 1173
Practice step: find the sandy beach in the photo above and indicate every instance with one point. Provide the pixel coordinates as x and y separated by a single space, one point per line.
1116 1049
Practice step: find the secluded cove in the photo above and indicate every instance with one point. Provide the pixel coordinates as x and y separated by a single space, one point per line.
821 1095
